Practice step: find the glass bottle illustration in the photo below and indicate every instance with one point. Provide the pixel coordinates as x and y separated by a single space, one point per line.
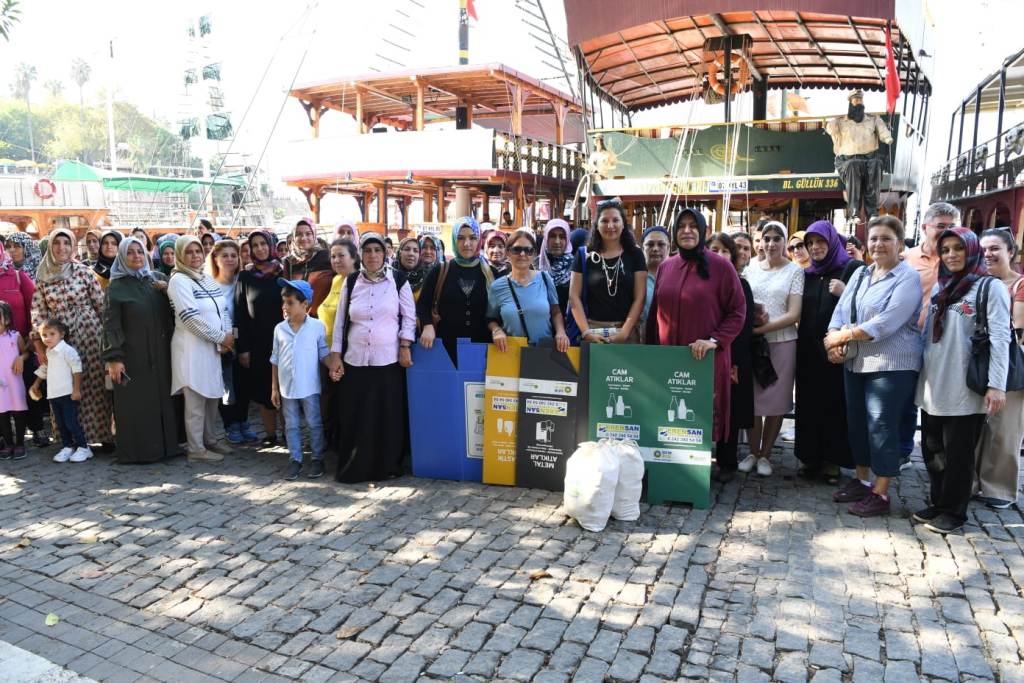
672 407
609 410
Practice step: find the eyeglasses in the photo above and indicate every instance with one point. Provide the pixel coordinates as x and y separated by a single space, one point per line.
522 251
794 247
944 226
605 203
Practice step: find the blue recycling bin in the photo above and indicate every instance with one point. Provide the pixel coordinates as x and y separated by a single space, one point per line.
446 411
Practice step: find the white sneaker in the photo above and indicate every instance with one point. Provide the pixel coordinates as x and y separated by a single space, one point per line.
81 455
63 454
789 435
764 468
747 463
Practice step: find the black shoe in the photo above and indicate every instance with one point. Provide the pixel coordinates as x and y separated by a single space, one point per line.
40 440
926 515
944 524
723 476
316 469
269 441
6 453
294 469
105 447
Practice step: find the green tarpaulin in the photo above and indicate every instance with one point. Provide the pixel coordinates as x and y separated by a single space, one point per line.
76 170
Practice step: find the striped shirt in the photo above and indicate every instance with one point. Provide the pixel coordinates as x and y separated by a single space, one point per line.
887 309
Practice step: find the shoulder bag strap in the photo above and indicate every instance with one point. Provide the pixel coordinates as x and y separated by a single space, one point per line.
435 313
853 299
350 285
981 314
488 273
519 308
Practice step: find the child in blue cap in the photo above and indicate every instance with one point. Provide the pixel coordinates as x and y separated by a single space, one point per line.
300 342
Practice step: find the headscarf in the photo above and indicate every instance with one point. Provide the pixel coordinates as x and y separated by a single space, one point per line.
836 257
415 276
5 260
179 257
471 223
505 267
779 226
103 263
165 242
560 267
30 262
271 266
799 235
120 268
300 255
955 285
698 254
348 224
578 238
438 247
44 245
89 260
375 275
49 269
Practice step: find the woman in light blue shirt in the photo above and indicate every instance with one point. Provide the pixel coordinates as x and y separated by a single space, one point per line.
876 319
524 303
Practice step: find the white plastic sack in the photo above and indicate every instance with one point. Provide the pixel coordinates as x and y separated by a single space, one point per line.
631 481
590 477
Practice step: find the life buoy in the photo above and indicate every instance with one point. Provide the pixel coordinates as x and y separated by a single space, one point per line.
716 65
44 188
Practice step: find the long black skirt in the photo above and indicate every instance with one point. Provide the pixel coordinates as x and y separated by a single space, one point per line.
372 438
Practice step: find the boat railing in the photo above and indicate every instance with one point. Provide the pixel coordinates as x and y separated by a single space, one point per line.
520 154
995 164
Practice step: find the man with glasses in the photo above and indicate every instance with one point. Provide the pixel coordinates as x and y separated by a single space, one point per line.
924 258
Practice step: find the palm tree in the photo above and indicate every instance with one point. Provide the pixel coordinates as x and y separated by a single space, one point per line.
8 17
80 72
24 75
54 87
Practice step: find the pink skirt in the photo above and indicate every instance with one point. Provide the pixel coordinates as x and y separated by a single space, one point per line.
778 398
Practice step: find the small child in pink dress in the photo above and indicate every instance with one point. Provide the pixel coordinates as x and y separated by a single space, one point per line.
13 405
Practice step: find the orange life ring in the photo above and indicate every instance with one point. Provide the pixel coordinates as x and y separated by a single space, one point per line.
44 188
715 66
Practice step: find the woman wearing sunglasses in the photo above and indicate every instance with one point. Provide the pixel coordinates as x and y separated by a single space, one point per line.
524 303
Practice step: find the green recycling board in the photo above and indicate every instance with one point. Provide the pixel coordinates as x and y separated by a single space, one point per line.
662 398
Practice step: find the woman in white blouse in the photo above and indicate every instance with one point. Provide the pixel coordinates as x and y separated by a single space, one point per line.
202 332
778 286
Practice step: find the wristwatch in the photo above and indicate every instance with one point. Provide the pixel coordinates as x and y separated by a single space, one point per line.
715 342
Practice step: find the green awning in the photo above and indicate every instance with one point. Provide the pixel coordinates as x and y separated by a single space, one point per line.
76 170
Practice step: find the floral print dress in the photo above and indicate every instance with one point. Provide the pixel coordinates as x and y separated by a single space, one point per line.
77 301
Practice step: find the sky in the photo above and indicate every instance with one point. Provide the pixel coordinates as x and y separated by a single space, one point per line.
266 46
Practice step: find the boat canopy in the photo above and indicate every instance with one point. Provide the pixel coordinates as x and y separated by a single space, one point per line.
76 170
648 53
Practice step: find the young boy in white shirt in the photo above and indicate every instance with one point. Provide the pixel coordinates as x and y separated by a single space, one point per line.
63 374
300 344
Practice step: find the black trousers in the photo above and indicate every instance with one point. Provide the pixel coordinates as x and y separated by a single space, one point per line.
17 436
726 450
861 175
948 444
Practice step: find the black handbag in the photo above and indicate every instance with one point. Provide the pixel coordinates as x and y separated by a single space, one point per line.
981 350
762 368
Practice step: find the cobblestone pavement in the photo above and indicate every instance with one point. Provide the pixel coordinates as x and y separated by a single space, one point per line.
221 571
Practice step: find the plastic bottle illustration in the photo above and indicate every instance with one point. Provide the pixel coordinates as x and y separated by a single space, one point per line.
610 408
672 406
620 406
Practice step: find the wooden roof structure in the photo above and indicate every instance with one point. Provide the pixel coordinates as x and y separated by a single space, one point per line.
650 53
408 99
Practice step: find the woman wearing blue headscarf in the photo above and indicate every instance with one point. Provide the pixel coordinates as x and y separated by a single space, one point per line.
137 330
453 301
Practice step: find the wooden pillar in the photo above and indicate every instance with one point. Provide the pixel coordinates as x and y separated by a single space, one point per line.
313 196
469 113
794 214
382 205
418 120
519 95
428 206
559 123
719 218
367 199
442 204
360 115
517 219
316 119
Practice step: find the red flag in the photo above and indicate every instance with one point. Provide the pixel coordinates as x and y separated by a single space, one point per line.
892 78
471 10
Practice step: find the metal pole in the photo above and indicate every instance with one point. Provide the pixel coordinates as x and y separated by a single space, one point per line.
111 142
960 140
952 127
999 119
977 117
461 112
728 79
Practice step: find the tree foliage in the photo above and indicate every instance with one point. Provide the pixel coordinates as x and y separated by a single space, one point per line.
10 14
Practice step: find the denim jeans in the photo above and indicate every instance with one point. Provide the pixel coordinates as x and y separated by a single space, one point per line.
65 412
875 410
908 427
294 409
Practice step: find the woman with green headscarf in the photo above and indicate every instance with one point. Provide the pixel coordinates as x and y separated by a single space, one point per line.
165 251
453 300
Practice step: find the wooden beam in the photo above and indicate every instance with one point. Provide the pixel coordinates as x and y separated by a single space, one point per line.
393 98
360 123
559 124
382 205
442 203
428 206
418 115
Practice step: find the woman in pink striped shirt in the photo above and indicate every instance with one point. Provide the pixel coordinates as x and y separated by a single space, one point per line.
371 347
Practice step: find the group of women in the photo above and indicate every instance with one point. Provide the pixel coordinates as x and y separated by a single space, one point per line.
784 314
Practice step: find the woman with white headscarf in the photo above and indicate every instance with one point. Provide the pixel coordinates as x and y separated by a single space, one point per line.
67 290
137 329
202 333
